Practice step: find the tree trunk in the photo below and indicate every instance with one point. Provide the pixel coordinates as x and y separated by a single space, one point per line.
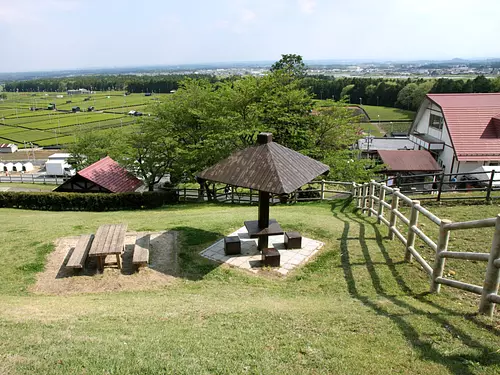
209 192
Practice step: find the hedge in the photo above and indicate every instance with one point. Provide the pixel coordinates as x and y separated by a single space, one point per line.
86 201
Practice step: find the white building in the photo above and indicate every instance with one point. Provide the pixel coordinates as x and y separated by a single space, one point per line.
59 156
462 131
8 148
370 145
18 167
79 92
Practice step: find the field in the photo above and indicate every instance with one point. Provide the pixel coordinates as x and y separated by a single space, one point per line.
387 113
383 119
18 124
357 308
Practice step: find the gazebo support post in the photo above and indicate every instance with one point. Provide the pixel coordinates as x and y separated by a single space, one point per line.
263 218
263 209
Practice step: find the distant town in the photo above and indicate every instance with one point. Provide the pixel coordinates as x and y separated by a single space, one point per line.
459 68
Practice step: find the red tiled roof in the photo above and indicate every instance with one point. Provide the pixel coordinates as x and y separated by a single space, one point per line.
108 174
472 121
409 161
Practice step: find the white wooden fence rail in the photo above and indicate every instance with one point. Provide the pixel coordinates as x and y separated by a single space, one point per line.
373 194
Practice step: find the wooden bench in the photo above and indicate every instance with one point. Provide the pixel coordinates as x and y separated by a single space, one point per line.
141 250
80 252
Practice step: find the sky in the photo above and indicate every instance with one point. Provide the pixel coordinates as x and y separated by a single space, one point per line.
70 34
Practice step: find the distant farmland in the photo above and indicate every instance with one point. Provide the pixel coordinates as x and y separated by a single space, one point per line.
43 127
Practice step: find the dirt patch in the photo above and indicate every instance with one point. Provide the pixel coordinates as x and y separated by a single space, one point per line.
162 270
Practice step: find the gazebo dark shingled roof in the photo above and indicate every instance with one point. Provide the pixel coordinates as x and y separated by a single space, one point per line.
268 167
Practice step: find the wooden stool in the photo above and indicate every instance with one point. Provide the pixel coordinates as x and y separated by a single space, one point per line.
293 240
271 257
232 245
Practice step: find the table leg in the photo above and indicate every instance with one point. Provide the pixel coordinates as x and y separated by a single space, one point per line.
263 242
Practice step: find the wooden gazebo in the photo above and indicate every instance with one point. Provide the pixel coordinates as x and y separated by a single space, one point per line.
269 168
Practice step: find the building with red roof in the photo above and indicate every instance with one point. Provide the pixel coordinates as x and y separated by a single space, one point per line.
462 131
104 176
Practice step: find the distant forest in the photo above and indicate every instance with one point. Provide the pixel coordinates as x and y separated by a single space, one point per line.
389 92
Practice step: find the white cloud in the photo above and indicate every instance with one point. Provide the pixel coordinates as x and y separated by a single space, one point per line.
307 6
248 16
33 11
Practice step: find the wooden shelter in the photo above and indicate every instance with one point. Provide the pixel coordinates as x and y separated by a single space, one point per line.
104 176
269 168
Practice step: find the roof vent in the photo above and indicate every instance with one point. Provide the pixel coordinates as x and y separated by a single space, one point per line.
264 138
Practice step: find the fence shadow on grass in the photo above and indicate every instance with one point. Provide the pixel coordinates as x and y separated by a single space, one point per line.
456 364
192 241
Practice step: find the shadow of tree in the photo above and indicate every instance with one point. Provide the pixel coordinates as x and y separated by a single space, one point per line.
457 364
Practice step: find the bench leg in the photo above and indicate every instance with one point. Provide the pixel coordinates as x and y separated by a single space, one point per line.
119 261
100 264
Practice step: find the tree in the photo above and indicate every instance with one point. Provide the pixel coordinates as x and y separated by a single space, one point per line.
420 92
291 64
286 106
334 129
346 93
90 147
146 152
481 84
405 96
151 154
495 85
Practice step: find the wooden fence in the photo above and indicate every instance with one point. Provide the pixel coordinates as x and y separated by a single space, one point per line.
314 191
432 186
372 198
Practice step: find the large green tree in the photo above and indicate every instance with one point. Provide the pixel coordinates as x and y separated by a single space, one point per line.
291 64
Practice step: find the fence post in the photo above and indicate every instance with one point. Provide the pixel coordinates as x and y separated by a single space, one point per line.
56 180
353 189
381 198
33 178
365 193
322 189
442 245
371 191
44 179
21 178
232 194
492 278
410 241
358 195
490 185
250 197
185 194
393 219
440 187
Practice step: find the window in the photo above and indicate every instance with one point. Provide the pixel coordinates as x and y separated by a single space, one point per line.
436 122
494 163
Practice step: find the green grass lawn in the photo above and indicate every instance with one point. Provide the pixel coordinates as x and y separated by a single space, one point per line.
41 187
371 129
357 308
387 113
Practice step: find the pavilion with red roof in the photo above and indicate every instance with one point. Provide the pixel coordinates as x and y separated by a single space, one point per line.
104 176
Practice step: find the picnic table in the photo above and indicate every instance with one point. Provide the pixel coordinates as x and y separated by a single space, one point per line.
109 240
255 231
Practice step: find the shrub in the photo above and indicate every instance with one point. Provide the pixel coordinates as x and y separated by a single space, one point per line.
86 202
